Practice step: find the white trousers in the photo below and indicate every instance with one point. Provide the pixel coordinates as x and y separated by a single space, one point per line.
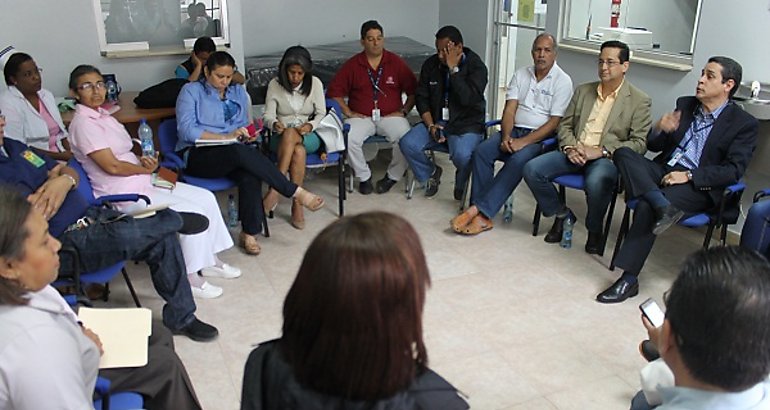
199 250
392 128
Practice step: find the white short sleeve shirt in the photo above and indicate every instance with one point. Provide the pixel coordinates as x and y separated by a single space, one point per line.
538 101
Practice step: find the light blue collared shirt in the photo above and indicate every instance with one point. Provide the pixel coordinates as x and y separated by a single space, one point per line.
696 136
199 109
682 398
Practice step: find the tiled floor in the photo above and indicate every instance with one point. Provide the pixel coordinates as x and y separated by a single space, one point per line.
510 320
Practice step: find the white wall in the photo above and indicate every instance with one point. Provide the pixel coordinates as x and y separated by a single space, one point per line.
474 19
274 25
59 35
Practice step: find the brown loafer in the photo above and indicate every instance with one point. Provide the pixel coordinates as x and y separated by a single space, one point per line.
478 224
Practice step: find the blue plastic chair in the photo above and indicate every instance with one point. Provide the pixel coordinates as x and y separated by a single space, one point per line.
104 400
724 214
105 275
756 229
167 138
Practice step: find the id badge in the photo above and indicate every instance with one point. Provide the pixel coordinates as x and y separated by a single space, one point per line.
675 158
445 113
376 114
33 158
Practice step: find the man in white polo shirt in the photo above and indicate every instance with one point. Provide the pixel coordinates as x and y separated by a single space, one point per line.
536 99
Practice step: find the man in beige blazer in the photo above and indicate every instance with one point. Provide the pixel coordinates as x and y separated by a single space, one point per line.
601 117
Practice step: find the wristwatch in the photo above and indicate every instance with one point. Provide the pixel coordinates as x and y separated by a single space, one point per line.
689 175
455 70
606 153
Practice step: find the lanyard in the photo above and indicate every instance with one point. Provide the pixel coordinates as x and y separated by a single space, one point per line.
694 131
375 84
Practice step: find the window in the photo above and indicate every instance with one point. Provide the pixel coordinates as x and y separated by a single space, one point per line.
660 32
154 27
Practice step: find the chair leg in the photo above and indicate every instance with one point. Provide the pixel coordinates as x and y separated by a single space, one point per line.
341 188
265 228
608 223
723 238
536 220
410 189
709 234
621 235
130 287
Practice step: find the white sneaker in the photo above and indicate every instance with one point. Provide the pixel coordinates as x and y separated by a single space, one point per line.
206 291
226 271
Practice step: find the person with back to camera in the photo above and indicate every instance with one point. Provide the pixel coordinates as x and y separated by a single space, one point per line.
212 109
192 68
48 360
103 146
352 330
31 114
715 339
292 99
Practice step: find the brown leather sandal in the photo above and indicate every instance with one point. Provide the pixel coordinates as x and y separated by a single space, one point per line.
478 224
297 217
460 221
270 201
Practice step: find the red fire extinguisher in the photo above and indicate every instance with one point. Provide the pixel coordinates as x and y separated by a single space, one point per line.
614 13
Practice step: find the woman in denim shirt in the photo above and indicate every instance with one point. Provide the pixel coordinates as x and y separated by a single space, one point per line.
212 109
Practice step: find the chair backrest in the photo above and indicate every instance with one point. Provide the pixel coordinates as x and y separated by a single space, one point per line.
167 136
84 184
756 230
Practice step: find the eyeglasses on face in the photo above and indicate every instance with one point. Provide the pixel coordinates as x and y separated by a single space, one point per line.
99 85
609 63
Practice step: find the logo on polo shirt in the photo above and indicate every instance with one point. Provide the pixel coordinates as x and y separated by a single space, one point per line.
390 80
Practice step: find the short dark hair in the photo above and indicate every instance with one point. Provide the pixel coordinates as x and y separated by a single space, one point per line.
12 66
731 70
719 311
204 45
220 59
369 25
624 54
296 55
14 212
79 71
353 316
451 32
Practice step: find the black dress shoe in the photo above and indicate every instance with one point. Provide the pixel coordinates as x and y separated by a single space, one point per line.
618 292
458 193
557 229
366 187
594 243
667 217
198 331
649 351
385 184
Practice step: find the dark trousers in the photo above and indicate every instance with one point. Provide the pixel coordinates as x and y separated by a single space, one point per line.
640 175
152 240
248 168
163 381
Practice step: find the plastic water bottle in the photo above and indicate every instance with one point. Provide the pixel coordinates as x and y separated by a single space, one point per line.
232 212
145 137
112 91
566 236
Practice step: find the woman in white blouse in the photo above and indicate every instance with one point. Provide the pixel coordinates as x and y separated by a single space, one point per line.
294 107
31 114
48 360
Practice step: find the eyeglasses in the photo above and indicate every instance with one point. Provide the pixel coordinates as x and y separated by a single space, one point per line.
609 63
99 85
30 73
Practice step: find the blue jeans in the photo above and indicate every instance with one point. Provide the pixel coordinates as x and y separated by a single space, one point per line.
418 139
601 177
153 240
489 191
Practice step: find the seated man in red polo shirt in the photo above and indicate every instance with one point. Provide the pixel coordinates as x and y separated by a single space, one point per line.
373 81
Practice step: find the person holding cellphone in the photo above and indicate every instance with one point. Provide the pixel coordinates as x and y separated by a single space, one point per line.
214 109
